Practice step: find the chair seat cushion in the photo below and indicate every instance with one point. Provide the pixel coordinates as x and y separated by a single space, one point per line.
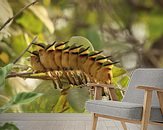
125 110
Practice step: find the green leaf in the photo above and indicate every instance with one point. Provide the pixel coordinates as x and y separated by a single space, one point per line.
24 97
119 95
8 126
42 14
20 98
5 107
46 102
124 81
61 104
77 98
116 80
79 40
19 43
4 72
93 35
30 22
3 99
118 71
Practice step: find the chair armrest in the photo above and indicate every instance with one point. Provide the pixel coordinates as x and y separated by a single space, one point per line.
147 88
111 90
99 85
104 86
148 101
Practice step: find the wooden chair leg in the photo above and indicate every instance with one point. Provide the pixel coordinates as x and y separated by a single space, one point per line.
124 125
146 110
160 98
94 123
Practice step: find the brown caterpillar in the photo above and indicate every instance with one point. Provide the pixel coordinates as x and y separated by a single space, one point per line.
76 58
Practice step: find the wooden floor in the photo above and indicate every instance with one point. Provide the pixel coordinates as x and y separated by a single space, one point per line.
53 121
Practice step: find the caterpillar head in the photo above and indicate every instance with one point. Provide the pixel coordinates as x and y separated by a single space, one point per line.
35 62
42 52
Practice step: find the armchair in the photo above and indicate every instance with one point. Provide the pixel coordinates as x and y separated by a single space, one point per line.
142 104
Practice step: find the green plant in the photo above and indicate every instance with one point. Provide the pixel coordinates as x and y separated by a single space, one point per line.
18 99
120 80
59 94
8 126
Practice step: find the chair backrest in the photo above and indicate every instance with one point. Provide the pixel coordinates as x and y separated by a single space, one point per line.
144 77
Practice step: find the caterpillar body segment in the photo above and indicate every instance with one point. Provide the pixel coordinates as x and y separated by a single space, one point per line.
106 71
75 60
43 58
89 62
73 57
57 58
36 64
65 58
97 65
51 61
103 74
58 54
82 57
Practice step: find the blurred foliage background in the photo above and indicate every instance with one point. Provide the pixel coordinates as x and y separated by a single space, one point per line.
131 31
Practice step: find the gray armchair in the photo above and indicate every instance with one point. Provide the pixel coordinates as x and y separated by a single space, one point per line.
143 106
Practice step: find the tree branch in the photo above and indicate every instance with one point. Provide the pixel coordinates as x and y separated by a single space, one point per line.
28 75
20 11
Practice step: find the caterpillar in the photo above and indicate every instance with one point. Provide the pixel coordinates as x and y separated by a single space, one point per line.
72 58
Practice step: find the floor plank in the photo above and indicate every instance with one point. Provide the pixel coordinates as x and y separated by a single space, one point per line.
51 121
